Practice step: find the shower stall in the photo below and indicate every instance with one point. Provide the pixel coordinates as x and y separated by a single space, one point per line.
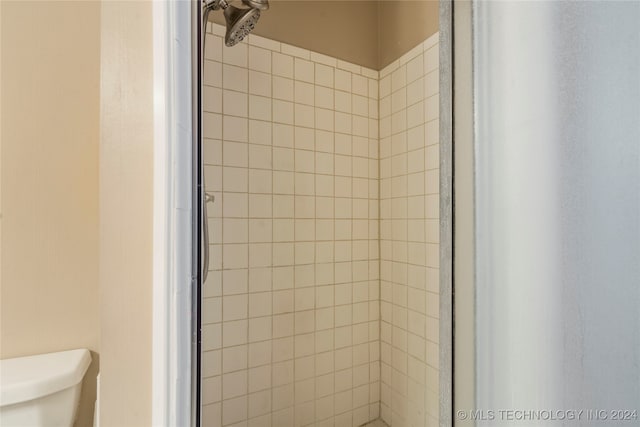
337 236
320 200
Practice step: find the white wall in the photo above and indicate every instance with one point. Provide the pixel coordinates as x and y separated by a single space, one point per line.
557 103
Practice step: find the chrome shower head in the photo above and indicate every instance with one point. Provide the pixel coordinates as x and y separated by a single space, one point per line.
257 4
240 22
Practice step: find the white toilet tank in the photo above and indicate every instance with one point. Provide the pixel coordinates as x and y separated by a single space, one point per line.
42 390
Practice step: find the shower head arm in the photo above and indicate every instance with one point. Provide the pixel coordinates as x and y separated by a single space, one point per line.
215 4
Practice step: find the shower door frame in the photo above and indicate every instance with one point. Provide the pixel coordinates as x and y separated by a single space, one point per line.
446 191
190 385
176 215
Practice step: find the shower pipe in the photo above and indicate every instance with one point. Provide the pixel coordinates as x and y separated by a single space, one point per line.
240 22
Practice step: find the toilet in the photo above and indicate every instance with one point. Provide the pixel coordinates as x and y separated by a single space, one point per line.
42 390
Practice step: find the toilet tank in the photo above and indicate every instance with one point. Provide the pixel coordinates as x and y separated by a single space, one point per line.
42 390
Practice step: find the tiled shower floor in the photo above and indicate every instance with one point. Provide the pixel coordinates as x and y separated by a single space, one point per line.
376 423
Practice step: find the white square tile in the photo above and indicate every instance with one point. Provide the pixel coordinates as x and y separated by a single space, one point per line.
360 126
211 363
283 159
260 157
360 85
415 115
283 183
235 230
234 410
235 56
399 78
282 65
342 122
415 91
324 119
260 181
324 318
384 86
212 414
415 68
259 409
324 75
211 99
283 254
235 78
235 179
282 88
304 137
283 135
255 40
324 97
212 125
304 299
234 333
342 80
304 70
235 153
234 384
342 101
260 132
259 83
213 48
260 304
259 107
259 59
304 93
360 105
353 68
304 115
295 51
398 100
431 59
211 337
283 278
304 161
212 74
282 112
260 329
431 108
431 84
324 141
260 231
304 323
235 129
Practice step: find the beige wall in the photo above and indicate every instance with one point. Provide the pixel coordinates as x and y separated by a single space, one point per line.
368 33
343 29
50 116
403 25
126 217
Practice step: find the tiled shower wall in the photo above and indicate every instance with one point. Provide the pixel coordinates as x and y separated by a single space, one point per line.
293 149
409 236
291 306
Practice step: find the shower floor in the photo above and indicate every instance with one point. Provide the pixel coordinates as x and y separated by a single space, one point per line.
376 423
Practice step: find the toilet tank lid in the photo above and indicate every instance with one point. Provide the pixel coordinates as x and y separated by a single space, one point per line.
31 377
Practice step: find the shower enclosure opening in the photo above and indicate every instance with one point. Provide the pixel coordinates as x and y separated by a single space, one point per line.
320 293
